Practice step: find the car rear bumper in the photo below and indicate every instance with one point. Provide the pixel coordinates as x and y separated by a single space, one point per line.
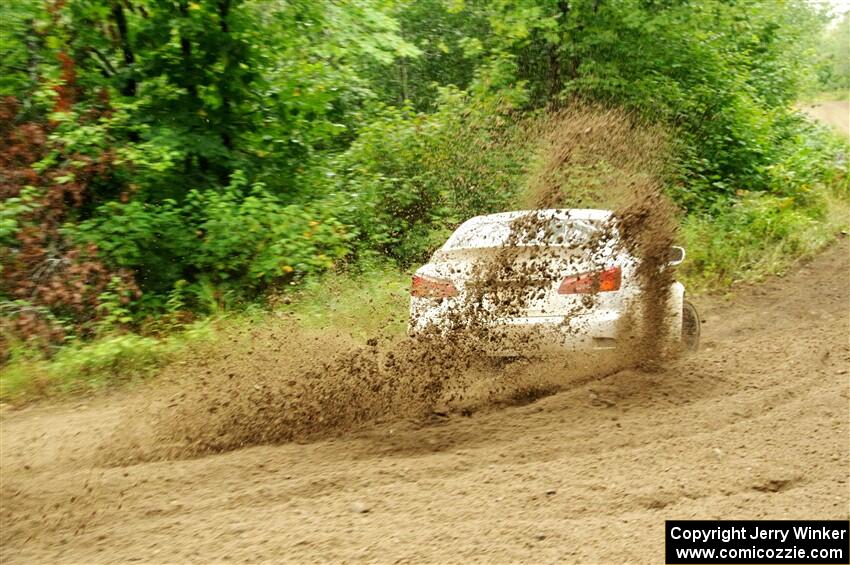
542 335
553 334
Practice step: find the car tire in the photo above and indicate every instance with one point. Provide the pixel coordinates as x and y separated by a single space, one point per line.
690 328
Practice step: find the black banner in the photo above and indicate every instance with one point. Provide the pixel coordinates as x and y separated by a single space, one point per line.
757 541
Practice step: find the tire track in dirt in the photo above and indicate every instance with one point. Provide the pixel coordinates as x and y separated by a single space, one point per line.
753 426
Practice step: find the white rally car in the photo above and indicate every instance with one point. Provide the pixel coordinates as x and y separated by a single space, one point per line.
541 282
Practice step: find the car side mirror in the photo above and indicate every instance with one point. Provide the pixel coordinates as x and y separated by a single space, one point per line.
676 256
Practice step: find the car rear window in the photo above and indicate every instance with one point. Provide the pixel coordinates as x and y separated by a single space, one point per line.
555 231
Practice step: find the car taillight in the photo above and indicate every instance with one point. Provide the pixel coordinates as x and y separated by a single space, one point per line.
602 281
426 287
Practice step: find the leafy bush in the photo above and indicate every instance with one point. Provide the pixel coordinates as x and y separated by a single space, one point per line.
412 176
238 237
754 233
49 172
256 240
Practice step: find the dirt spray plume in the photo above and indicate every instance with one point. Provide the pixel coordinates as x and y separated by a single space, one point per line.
283 383
602 157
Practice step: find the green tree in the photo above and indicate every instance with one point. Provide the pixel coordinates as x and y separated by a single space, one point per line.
833 68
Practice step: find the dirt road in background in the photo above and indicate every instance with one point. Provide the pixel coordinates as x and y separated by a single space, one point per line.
754 426
835 113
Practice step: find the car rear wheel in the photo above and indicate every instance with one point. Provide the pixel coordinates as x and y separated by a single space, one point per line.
690 328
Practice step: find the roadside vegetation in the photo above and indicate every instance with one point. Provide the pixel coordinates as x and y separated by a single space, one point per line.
170 170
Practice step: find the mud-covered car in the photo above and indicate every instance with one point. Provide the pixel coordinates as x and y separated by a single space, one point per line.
548 281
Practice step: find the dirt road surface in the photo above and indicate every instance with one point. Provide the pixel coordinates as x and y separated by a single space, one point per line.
835 113
753 426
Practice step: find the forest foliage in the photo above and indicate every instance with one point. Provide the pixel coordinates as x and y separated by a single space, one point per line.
160 159
832 62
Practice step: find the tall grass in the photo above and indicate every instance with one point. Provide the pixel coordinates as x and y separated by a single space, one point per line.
361 304
88 366
759 236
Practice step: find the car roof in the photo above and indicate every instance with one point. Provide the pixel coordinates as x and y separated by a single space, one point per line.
554 213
